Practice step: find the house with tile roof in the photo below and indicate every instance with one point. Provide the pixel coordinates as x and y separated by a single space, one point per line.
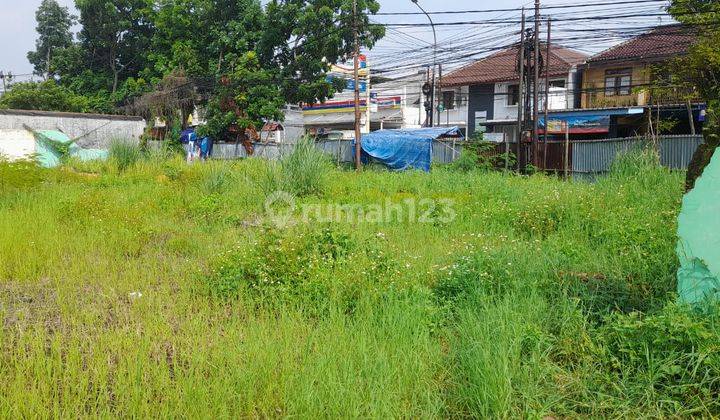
619 76
483 96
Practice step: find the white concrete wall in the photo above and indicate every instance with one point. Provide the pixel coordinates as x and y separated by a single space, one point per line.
293 124
559 98
16 144
502 111
90 130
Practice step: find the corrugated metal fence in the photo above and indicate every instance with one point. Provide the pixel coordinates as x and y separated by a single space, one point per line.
597 156
444 151
271 151
587 157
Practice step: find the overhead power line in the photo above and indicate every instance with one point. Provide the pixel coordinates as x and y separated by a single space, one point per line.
565 6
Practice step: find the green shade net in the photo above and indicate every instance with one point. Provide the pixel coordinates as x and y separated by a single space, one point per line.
699 238
52 145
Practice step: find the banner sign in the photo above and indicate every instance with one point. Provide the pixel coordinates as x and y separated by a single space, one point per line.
350 83
585 124
347 71
391 102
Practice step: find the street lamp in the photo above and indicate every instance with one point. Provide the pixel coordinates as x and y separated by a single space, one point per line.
432 95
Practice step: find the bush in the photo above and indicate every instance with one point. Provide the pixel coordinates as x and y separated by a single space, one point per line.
277 263
45 96
303 265
674 352
478 154
19 175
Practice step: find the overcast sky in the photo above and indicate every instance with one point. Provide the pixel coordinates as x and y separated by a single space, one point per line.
17 23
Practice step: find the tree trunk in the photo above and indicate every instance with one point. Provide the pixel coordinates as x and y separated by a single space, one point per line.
700 159
115 79
114 68
703 154
47 64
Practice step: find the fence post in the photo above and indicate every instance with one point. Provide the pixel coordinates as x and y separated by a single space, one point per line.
507 150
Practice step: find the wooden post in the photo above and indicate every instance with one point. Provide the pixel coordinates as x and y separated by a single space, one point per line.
339 147
507 150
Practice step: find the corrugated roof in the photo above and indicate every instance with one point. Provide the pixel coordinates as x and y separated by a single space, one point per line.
502 66
661 42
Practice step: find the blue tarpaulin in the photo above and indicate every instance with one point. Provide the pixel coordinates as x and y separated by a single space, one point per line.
404 149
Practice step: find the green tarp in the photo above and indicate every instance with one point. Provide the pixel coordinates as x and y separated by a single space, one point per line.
699 238
49 144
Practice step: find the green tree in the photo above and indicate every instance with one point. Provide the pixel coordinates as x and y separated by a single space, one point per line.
246 96
115 39
45 96
283 51
53 26
302 38
700 70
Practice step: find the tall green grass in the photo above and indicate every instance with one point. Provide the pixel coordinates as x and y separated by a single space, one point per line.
124 154
301 170
164 291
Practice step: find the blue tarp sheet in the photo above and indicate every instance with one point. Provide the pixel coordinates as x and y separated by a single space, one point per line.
404 149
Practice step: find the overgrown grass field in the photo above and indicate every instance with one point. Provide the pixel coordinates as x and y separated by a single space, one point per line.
147 287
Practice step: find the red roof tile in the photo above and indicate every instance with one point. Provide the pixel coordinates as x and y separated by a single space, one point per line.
502 67
659 43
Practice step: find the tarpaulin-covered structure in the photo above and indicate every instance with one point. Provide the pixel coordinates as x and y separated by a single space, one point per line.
699 238
404 149
47 147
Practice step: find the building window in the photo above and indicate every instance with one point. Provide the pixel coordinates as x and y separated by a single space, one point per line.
513 95
618 82
559 84
448 98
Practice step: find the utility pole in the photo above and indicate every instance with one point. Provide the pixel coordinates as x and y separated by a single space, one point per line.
432 97
368 96
521 97
547 97
535 84
356 70
432 83
440 95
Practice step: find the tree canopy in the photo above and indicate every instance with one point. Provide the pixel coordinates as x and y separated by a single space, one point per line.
45 96
240 59
53 27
